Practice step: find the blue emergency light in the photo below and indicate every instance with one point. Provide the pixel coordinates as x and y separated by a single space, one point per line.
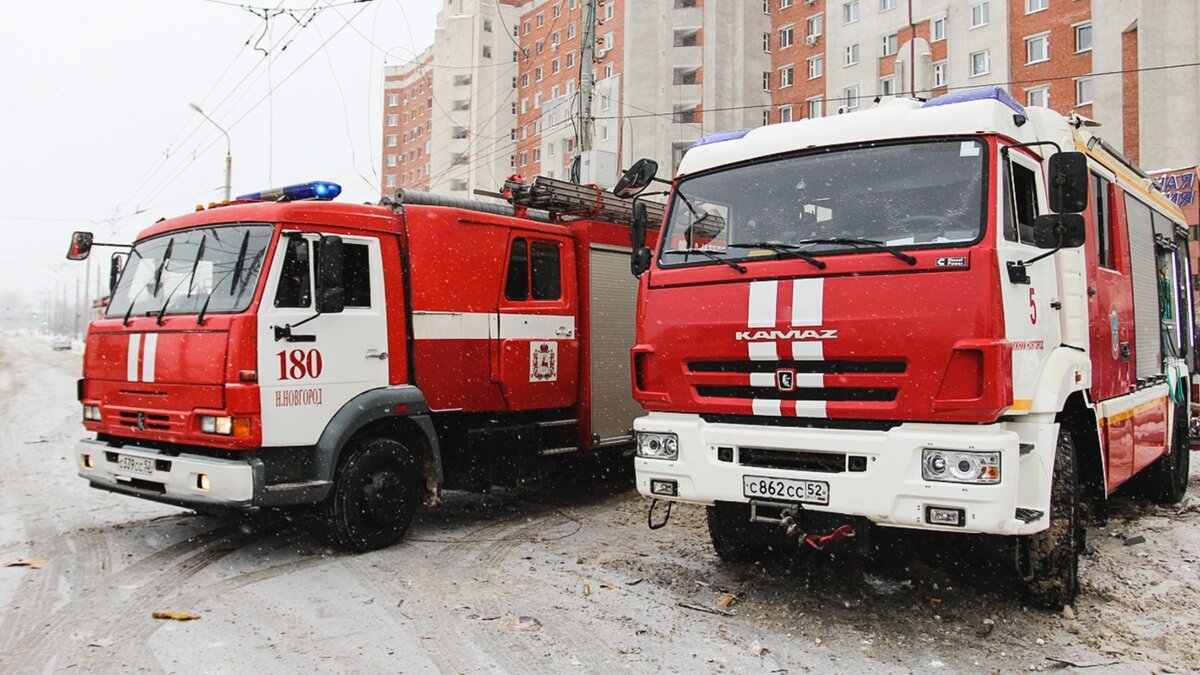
317 189
981 94
720 136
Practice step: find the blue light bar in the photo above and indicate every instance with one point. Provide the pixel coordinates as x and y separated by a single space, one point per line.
720 136
982 94
317 189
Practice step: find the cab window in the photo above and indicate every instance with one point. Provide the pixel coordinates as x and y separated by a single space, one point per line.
1020 204
534 271
295 279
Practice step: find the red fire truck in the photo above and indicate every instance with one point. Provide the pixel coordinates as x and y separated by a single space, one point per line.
958 315
287 350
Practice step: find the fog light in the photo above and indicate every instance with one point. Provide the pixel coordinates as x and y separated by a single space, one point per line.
665 488
91 413
954 466
657 446
87 461
202 481
935 515
225 426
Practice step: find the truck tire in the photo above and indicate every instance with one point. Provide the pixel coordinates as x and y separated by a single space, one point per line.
1048 561
375 494
736 539
1166 480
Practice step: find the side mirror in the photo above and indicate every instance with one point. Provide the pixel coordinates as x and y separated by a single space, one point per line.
1058 230
639 260
331 289
81 246
636 178
116 264
1068 182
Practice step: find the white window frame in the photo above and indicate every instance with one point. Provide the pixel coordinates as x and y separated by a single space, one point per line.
816 107
1044 40
941 73
937 29
852 97
890 44
816 66
766 43
766 80
787 76
887 86
887 5
784 4
787 36
851 11
1042 93
1080 84
980 14
1079 28
851 55
815 25
987 63
785 113
1033 6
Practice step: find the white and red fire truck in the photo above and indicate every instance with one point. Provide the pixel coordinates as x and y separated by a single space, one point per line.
959 315
288 350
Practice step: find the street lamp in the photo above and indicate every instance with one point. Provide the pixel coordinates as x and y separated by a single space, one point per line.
228 156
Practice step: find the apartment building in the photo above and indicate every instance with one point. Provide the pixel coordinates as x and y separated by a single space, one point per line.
451 112
1084 56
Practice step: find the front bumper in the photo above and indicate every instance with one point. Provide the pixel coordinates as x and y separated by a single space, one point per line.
175 479
885 487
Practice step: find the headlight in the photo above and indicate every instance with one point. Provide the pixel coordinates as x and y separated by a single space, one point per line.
91 413
954 466
225 426
657 446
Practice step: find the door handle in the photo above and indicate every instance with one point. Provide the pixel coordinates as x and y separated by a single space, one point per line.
382 356
563 331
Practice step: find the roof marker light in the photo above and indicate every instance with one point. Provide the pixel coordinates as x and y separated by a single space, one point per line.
317 189
721 136
981 94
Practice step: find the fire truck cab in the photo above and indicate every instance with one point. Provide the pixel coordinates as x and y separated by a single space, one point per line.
286 350
959 315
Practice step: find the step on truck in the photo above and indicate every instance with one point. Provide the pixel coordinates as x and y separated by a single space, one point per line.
287 350
960 315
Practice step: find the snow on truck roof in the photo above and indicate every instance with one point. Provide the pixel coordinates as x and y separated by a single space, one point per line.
988 110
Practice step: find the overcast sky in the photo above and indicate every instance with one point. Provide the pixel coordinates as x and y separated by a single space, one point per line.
96 132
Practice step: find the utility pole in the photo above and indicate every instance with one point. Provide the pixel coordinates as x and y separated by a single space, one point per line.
587 58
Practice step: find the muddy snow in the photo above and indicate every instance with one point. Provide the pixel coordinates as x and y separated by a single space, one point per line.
559 577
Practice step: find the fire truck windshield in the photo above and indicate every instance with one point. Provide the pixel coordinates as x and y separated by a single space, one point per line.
858 199
210 269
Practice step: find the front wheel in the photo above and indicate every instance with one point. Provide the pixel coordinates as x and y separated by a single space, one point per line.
736 539
375 494
1048 561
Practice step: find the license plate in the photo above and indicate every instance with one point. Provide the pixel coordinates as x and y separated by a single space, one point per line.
142 465
786 489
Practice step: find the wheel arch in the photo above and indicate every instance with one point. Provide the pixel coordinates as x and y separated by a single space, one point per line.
400 413
1078 417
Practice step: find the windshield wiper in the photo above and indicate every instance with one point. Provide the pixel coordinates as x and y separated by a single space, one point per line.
711 255
162 265
781 248
864 244
241 260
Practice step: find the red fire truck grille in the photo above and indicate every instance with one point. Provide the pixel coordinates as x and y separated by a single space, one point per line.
833 380
148 422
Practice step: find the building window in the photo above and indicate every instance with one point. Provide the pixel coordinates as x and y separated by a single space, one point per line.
528 27
393 119
554 92
1083 91
785 113
487 25
537 100
458 132
462 80
766 113
608 70
609 10
391 140
556 39
979 14
462 104
1083 37
1038 96
885 5
540 19
391 182
767 42
850 12
458 158
555 66
570 59
785 77
391 160
525 79
602 132
851 54
766 79
524 158
816 24
608 40
558 10
816 107
1037 48
1032 6
540 46
786 35
887 86
940 74
538 73
939 29
571 31
980 63
816 67
766 8
890 44
458 184
784 4
850 95
393 99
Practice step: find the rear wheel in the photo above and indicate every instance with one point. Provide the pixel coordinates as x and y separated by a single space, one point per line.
1048 561
1166 480
374 496
736 539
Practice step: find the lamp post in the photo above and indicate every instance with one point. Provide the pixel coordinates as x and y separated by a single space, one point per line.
228 156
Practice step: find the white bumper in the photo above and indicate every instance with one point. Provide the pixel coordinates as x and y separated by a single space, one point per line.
889 490
174 479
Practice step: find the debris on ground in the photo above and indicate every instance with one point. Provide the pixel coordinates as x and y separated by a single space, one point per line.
31 563
524 624
708 610
175 616
1135 540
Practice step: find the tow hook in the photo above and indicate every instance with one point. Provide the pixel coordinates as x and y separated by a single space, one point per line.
816 541
650 515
